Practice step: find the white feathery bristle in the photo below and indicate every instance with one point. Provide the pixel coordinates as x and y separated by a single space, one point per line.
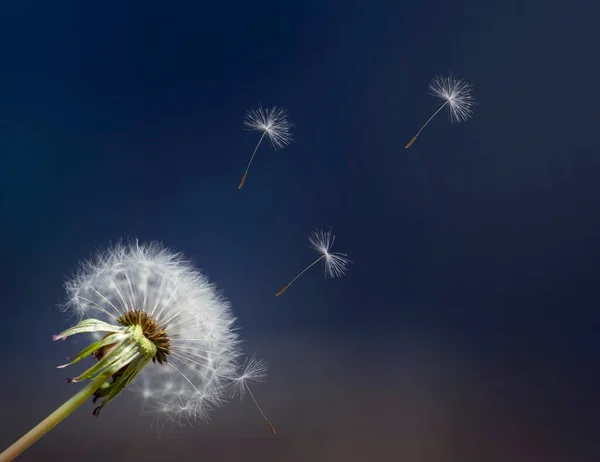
335 263
253 371
204 347
457 94
273 122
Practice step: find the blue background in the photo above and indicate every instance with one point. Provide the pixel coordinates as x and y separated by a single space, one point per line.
466 328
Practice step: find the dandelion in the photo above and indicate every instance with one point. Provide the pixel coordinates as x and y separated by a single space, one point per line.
456 95
167 334
274 124
335 263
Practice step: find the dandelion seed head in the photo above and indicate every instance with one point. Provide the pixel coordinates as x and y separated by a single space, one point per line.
335 263
457 94
160 290
273 122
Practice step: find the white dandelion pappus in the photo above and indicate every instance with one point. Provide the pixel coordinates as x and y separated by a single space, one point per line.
169 334
179 310
253 371
274 124
335 263
456 94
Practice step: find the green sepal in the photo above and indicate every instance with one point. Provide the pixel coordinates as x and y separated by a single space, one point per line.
109 340
88 325
119 356
104 389
116 387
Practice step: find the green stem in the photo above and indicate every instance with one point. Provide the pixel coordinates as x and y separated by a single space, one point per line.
52 420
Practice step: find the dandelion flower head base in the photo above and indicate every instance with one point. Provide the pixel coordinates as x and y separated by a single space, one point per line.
151 329
121 354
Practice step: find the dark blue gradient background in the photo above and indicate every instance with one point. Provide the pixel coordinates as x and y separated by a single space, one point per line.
466 330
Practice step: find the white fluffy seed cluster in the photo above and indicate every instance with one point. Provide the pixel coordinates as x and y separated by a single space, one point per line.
202 365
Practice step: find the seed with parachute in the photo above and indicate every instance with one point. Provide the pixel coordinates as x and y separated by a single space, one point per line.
274 124
457 97
254 371
336 264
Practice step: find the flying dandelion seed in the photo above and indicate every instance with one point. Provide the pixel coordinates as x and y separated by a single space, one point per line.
254 371
165 326
274 124
456 95
335 263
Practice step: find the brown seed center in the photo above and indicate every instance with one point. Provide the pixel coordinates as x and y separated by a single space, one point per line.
151 330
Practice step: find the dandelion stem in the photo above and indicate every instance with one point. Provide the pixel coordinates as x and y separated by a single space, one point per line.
300 274
251 159
424 125
52 420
